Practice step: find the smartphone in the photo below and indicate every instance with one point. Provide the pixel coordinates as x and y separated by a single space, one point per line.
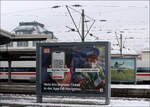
58 61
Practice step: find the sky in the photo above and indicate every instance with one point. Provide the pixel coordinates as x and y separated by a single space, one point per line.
129 18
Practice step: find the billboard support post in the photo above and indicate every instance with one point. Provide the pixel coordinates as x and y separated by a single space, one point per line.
107 66
107 101
38 74
39 98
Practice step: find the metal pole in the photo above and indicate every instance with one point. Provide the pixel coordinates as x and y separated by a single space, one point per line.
39 98
117 38
121 45
107 100
83 25
9 71
38 74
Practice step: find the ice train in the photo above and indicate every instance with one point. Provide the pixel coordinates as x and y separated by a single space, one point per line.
28 72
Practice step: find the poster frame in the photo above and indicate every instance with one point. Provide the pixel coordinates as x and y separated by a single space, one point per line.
39 48
126 81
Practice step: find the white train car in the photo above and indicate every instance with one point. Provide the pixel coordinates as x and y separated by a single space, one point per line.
26 70
143 67
20 70
143 74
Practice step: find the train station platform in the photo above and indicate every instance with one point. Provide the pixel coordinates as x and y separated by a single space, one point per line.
117 90
125 90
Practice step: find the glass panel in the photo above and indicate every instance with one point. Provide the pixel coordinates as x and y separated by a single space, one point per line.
34 43
10 44
22 44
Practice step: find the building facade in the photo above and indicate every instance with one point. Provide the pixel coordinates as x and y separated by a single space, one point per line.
27 29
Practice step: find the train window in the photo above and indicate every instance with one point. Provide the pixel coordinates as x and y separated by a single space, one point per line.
143 69
3 69
32 69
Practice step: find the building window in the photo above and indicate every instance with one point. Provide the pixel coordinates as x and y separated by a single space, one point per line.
34 43
2 46
22 44
19 33
27 32
9 44
23 32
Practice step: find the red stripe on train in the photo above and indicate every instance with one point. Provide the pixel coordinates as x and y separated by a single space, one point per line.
57 77
18 73
142 74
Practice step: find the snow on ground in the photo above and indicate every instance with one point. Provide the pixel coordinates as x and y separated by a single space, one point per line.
49 101
130 86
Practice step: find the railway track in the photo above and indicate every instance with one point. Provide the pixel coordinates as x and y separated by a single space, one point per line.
18 88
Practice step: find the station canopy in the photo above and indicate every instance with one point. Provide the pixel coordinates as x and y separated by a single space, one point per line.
4 37
18 54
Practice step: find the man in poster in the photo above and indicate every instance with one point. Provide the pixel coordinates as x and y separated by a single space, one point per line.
87 60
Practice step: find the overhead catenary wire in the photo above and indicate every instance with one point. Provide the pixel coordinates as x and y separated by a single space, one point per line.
90 28
80 12
86 25
74 22
125 40
83 36
117 38
80 22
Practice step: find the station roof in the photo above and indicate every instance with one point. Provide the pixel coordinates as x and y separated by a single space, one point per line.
28 37
18 54
4 37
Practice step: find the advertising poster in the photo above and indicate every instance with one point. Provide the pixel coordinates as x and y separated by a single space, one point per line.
73 69
123 69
